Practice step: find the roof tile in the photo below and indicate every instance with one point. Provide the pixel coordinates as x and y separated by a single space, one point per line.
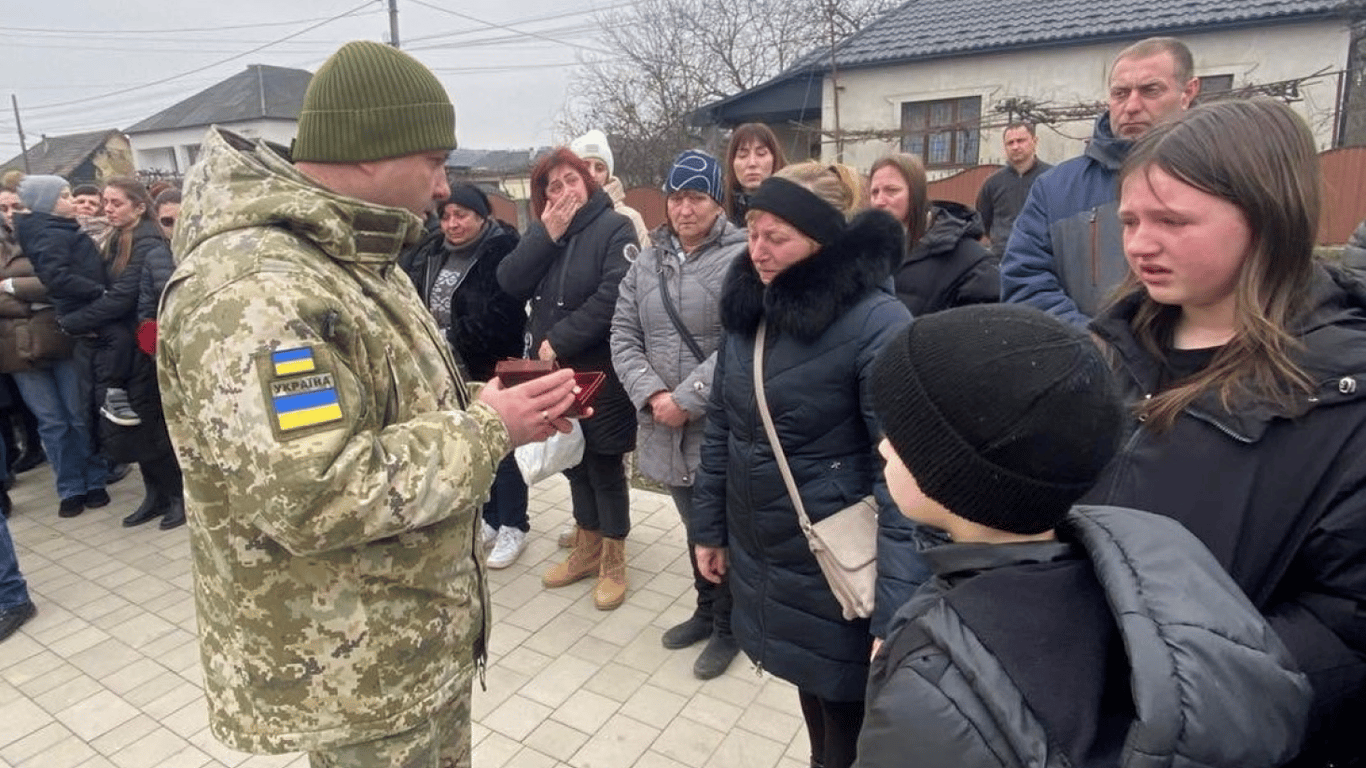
258 91
924 29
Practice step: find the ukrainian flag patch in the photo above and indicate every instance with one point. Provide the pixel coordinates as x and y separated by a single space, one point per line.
301 391
305 401
288 362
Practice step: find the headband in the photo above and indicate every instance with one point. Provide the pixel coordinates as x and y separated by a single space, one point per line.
799 207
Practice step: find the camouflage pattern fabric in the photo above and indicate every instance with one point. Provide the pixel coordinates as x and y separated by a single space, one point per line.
443 742
334 464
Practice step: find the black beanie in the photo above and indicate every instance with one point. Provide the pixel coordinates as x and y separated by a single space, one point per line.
467 195
1003 414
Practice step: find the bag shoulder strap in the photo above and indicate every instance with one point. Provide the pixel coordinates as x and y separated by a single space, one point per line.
772 431
683 331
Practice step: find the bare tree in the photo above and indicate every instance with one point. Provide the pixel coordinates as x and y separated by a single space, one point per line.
674 56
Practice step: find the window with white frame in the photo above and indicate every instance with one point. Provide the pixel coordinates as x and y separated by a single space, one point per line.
944 132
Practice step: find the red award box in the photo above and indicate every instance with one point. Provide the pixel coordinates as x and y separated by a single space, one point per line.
519 371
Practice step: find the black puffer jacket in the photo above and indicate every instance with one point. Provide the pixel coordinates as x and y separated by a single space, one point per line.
827 318
1015 655
64 258
486 322
573 284
1281 502
157 268
119 304
948 266
134 295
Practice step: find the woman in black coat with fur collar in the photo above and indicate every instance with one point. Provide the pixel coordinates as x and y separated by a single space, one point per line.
821 287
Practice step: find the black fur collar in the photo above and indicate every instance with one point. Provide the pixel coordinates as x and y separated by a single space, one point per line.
808 296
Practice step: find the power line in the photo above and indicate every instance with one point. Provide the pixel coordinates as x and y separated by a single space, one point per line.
497 68
500 40
307 47
508 28
528 20
123 32
263 46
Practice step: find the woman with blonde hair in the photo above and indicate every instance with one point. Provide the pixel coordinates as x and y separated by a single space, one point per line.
812 279
752 156
946 264
1244 360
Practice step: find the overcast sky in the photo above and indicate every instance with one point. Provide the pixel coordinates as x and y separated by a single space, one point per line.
77 65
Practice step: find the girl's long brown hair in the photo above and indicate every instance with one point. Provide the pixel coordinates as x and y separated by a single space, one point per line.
1258 155
121 244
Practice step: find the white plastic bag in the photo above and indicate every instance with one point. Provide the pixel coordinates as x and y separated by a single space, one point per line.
558 453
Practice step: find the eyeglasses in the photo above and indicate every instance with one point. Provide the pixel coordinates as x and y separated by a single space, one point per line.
167 221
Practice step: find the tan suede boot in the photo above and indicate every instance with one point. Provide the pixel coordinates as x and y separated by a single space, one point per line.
583 561
611 589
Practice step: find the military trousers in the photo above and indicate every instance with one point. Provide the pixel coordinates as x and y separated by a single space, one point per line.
443 741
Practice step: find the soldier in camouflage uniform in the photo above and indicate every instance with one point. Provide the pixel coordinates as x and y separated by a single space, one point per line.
335 463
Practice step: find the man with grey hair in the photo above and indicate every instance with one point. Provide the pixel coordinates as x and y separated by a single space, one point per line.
1065 254
1003 193
335 461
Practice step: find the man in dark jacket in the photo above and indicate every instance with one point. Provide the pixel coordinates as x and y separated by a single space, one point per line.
998 418
1003 193
1065 255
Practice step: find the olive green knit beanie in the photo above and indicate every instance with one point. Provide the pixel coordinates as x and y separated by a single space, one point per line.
371 101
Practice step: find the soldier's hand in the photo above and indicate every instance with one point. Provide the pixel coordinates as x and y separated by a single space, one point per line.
534 410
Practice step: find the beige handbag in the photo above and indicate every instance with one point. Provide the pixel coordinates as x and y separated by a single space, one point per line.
845 543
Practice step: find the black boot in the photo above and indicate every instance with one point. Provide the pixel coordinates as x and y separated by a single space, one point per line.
29 458
716 657
694 630
697 627
154 505
33 454
175 514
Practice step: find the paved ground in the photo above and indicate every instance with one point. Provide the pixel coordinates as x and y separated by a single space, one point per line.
107 673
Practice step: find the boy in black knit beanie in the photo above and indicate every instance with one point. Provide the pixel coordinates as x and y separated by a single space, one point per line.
1044 624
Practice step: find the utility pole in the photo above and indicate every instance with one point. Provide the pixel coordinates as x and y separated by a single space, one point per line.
23 148
393 23
835 83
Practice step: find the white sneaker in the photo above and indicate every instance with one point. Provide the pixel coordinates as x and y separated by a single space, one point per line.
566 539
511 542
489 533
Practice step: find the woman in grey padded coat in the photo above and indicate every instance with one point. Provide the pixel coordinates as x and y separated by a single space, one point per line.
669 379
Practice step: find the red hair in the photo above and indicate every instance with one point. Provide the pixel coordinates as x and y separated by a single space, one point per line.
540 176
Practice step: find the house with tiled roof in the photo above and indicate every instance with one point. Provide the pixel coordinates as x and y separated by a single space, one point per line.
507 171
260 102
77 157
940 78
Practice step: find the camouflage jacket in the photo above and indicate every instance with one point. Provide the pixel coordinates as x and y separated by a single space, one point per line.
334 466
